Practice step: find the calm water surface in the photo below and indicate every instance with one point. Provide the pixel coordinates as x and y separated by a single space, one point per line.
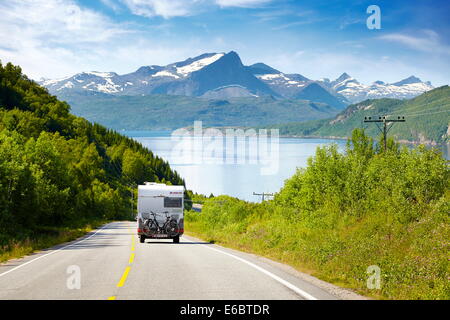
237 180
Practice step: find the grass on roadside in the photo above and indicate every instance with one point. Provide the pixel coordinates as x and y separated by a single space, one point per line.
45 237
413 258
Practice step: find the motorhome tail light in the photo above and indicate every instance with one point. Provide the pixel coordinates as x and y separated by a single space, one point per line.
139 230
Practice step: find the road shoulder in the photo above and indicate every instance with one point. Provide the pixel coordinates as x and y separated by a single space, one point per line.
278 267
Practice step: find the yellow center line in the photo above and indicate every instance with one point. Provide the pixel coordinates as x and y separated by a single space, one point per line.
131 258
124 277
127 269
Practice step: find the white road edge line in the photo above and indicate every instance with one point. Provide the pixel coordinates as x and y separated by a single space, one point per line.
297 290
54 251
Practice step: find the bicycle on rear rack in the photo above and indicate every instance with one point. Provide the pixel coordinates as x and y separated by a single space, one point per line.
169 229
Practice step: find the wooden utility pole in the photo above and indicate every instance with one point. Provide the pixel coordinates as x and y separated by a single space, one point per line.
262 194
385 125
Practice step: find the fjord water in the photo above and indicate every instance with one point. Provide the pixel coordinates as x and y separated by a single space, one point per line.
237 180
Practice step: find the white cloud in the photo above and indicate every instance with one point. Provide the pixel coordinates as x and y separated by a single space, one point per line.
164 8
57 21
112 4
57 38
425 41
242 3
52 37
178 8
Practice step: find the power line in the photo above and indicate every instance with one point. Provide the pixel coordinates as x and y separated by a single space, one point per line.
421 112
262 195
385 122
426 113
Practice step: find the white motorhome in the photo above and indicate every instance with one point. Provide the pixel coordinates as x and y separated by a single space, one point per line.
160 211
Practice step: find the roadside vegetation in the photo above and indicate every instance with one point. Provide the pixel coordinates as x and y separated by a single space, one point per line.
198 197
45 237
347 211
59 173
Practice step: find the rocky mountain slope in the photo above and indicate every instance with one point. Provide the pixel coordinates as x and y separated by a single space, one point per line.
223 75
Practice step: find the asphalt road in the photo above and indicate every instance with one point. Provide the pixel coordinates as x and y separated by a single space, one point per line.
110 263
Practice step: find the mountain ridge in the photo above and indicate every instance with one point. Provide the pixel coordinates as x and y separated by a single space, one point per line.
210 71
427 119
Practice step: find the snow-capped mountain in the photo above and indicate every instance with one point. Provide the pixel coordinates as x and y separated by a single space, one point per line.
98 81
354 91
296 86
344 90
208 74
223 75
287 85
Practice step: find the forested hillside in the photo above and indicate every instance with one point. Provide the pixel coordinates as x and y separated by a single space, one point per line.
161 112
427 119
57 168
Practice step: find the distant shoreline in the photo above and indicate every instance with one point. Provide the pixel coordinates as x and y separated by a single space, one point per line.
402 141
290 136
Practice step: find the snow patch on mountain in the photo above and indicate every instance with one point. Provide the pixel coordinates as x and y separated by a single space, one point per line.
280 79
355 91
101 74
109 87
165 73
50 82
68 84
199 64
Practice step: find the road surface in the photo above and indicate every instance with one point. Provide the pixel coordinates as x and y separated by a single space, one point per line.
110 263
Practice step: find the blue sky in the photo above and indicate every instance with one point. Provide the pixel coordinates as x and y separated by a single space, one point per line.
56 38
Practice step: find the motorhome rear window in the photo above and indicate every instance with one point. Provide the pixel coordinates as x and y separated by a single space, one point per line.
170 202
